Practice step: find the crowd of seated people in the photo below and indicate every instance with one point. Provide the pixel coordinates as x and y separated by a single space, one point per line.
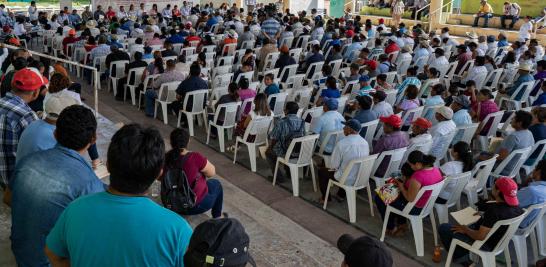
432 97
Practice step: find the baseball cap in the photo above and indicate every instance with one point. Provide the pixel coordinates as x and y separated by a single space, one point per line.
349 33
372 64
423 123
379 95
364 251
462 100
381 21
331 103
219 242
364 78
392 120
55 104
491 38
508 189
446 112
28 79
353 124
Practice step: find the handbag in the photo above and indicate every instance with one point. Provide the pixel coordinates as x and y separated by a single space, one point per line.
389 192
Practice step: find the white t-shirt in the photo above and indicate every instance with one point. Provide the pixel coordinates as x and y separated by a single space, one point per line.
450 168
524 30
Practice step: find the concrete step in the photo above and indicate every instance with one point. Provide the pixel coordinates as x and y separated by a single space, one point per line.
454 21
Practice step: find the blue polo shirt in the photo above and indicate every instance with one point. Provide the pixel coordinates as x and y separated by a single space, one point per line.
330 93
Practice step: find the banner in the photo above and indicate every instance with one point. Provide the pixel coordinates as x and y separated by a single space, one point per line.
126 3
336 8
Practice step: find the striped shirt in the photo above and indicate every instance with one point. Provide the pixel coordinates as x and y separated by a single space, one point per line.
283 130
271 27
15 116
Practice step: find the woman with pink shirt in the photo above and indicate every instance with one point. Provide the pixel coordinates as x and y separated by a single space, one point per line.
424 174
245 93
155 40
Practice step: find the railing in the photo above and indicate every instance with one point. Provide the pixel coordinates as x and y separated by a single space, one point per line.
93 69
440 9
419 11
536 25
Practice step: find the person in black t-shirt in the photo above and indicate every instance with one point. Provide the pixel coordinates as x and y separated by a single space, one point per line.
504 206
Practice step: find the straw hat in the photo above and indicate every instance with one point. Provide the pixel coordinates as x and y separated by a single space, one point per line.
525 67
90 24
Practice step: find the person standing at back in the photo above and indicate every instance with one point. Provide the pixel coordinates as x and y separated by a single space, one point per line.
122 226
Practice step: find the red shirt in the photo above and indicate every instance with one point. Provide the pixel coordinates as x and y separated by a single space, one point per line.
192 168
68 40
110 14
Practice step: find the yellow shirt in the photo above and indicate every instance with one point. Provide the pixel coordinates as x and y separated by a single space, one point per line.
486 8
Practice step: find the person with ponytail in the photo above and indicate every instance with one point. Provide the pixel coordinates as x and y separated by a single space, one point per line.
463 161
425 174
209 193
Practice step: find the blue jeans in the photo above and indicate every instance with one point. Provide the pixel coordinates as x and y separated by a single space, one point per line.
447 235
513 18
212 201
93 152
149 103
485 17
394 219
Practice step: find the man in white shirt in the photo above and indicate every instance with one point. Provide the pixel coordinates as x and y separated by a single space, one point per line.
381 107
33 11
438 61
477 73
511 11
351 147
185 10
121 13
167 13
526 29
141 11
441 131
419 133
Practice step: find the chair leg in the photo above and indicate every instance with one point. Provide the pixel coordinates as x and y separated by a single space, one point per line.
442 211
208 133
509 259
221 136
294 177
189 117
164 112
370 199
385 222
179 118
156 106
252 154
351 204
417 228
450 254
235 151
275 172
330 184
520 246
533 236
313 176
434 230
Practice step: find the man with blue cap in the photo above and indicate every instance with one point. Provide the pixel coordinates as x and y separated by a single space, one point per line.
329 121
351 147
365 87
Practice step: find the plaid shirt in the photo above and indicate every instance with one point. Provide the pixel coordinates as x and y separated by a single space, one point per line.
271 27
100 51
15 116
290 123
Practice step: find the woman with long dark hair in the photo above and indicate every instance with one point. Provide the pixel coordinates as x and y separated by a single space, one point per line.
463 161
199 171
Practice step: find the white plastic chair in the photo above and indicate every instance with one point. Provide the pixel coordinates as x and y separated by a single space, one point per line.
280 99
494 78
403 66
417 220
222 80
199 99
501 169
495 119
520 237
396 156
466 132
511 102
413 113
312 113
314 71
134 78
480 175
228 123
166 95
539 146
488 257
249 75
423 147
302 96
257 128
295 54
362 167
287 41
369 128
349 87
307 144
449 139
148 81
460 181
391 76
336 136
270 60
248 44
288 71
341 102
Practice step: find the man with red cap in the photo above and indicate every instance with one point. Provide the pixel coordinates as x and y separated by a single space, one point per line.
391 139
419 131
504 207
16 115
70 39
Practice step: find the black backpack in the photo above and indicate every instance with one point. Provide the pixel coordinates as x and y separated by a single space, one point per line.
291 135
176 192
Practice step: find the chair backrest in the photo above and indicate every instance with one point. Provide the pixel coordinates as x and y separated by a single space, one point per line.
314 70
222 80
396 156
199 98
258 128
537 211
230 114
350 87
460 180
167 92
270 60
335 135
248 44
467 66
287 72
526 88
218 92
307 144
191 57
539 146
280 100
369 128
249 75
467 132
311 114
420 62
247 105
511 226
391 96
495 119
520 155
450 71
482 170
412 114
363 171
225 60
391 76
434 190
342 100
423 147
219 70
134 76
296 81
287 41
493 77
229 49
336 65
403 66
295 53
208 48
118 68
428 112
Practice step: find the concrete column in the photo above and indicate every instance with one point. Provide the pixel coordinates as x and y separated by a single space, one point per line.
435 18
